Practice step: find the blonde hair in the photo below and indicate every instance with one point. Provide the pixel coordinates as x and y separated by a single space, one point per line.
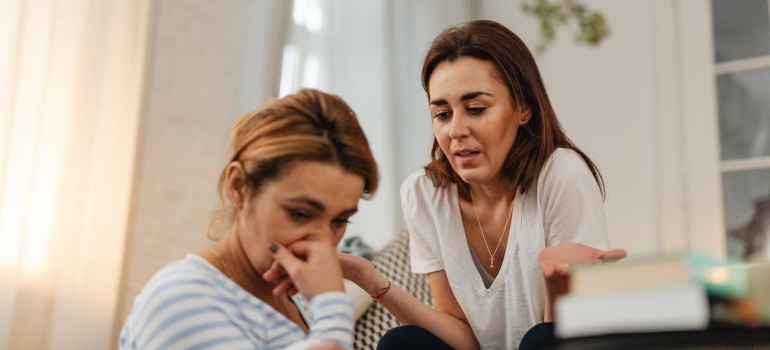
309 125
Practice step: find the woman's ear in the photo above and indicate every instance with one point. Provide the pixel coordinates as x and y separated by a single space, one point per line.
525 112
235 184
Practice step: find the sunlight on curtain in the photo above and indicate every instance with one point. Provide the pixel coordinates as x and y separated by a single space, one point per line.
370 53
69 113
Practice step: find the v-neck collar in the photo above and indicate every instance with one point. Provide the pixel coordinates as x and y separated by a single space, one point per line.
465 256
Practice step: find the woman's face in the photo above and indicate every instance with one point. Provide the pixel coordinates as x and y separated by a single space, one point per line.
474 119
312 201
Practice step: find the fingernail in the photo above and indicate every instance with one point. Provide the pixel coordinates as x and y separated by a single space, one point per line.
273 248
564 267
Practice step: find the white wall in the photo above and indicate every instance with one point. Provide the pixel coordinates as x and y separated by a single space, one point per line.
641 107
604 100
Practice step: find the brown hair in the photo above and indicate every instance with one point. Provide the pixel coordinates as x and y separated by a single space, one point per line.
309 125
515 67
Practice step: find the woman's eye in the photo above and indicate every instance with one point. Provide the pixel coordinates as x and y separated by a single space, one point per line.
340 222
299 215
476 110
441 115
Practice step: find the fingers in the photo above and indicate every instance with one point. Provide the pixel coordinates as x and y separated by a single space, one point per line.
274 273
304 249
277 274
285 258
300 250
561 269
292 290
283 287
555 269
557 260
613 255
308 267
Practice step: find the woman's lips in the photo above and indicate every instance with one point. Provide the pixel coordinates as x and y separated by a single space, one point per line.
466 157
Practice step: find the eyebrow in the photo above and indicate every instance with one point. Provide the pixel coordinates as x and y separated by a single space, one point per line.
468 96
320 207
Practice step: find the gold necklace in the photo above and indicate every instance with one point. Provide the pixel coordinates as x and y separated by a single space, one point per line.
491 254
227 270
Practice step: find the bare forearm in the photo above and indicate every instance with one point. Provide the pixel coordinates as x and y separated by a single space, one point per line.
405 307
410 310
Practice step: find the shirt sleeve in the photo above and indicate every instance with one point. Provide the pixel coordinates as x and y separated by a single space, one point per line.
332 319
571 202
422 258
178 313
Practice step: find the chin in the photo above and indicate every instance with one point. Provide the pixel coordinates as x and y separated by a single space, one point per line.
471 176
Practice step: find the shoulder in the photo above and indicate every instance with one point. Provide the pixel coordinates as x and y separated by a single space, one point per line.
565 165
417 185
184 280
417 179
567 171
565 160
185 296
420 183
418 191
190 270
187 284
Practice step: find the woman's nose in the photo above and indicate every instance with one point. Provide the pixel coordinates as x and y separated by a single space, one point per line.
325 233
458 128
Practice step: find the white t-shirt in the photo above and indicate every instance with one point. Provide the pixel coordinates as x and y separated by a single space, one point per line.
564 205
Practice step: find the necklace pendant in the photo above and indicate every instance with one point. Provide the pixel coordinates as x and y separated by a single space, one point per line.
491 262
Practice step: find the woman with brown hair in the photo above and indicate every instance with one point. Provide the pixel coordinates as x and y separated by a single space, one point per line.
299 166
507 200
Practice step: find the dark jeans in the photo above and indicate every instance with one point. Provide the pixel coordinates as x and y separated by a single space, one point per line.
411 337
414 337
541 336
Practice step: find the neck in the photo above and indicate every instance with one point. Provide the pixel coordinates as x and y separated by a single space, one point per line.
241 270
249 278
490 194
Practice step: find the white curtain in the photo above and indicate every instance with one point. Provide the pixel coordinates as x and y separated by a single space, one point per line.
370 53
70 80
210 62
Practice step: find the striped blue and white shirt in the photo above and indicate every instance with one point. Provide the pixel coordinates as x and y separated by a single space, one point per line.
189 304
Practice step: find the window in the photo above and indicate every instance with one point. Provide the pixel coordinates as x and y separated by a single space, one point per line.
304 51
742 56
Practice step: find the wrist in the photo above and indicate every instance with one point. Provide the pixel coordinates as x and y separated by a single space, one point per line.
378 285
383 291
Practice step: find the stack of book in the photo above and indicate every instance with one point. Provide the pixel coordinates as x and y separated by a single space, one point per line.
661 293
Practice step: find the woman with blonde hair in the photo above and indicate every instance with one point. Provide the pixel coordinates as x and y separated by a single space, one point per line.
298 168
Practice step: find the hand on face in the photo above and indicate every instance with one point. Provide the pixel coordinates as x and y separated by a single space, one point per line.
310 267
306 210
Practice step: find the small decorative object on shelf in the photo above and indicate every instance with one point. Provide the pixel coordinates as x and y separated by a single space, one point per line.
754 233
